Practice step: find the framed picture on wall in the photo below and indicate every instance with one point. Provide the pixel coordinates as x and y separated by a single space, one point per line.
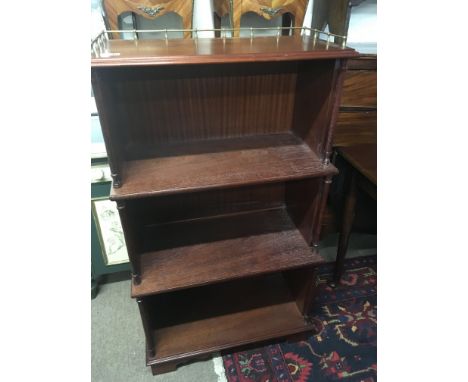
109 230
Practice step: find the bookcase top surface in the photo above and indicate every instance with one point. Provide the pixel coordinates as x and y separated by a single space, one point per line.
216 50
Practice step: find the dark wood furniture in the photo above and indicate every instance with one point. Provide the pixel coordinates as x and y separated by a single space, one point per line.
149 9
335 14
356 124
362 160
220 158
355 141
357 119
291 11
221 8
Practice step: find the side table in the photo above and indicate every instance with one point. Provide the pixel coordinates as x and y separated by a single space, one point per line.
362 160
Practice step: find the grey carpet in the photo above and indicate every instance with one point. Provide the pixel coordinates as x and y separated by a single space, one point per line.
117 345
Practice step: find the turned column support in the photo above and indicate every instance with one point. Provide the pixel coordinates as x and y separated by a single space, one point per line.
321 209
130 240
116 180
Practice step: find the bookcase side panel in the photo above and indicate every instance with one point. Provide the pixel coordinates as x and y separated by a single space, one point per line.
303 200
339 76
102 89
314 103
146 319
302 283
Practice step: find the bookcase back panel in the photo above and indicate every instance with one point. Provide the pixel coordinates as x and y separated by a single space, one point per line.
208 301
303 199
187 206
156 219
161 105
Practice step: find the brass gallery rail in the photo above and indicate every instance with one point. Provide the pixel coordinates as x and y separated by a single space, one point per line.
98 44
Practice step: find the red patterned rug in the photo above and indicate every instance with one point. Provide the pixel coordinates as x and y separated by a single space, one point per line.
345 349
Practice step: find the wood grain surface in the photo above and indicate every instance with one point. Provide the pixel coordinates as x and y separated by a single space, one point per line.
219 150
221 7
216 50
360 89
357 119
363 62
195 205
201 320
154 106
363 158
221 163
270 9
355 127
149 9
203 251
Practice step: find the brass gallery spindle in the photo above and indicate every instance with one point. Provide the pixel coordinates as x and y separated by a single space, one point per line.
100 42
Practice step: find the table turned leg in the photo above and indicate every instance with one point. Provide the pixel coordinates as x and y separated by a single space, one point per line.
346 225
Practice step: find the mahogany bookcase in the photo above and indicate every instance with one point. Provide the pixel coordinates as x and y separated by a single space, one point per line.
219 153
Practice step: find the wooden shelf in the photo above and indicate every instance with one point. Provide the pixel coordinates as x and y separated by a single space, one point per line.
199 321
208 250
215 50
218 163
